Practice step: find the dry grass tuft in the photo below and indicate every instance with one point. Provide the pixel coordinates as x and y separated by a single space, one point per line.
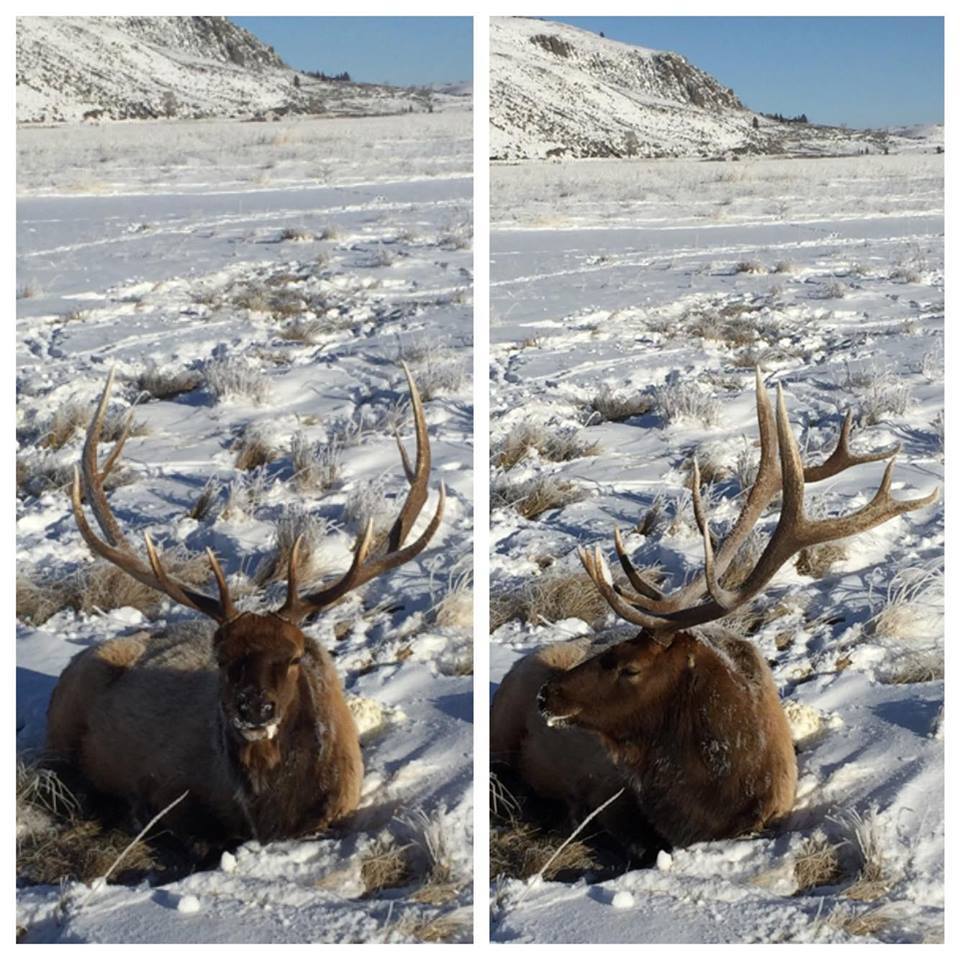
167 384
316 466
816 864
749 266
64 423
296 234
550 598
37 601
872 880
55 843
439 375
451 927
206 502
520 849
914 667
101 586
294 523
817 561
866 924
913 606
650 522
534 497
553 445
385 865
687 401
455 608
234 379
253 449
608 406
83 850
40 788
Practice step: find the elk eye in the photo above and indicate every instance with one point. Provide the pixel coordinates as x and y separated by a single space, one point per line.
295 661
629 670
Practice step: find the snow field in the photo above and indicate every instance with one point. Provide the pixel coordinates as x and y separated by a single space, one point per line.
267 323
631 303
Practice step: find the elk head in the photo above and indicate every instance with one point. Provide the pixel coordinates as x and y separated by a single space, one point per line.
584 696
259 655
617 691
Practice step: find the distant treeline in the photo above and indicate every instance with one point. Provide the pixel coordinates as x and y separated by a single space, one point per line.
320 75
780 118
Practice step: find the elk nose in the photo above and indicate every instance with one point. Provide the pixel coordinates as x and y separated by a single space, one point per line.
267 709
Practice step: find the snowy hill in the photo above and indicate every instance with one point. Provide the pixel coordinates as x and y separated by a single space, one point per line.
557 90
72 68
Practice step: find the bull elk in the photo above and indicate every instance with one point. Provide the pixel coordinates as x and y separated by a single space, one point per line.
686 716
251 722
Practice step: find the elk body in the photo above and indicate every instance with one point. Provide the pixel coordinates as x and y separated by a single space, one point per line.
685 717
251 722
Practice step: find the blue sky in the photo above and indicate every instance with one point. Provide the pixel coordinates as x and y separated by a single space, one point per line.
396 50
862 71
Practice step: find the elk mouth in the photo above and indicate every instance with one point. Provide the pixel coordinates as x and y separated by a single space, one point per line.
552 717
252 732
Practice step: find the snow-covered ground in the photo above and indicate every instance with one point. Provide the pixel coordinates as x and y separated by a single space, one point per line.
302 259
661 284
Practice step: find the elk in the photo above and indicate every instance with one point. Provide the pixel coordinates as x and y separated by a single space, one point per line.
685 717
251 722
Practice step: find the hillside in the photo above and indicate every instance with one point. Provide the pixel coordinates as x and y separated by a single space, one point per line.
122 68
559 91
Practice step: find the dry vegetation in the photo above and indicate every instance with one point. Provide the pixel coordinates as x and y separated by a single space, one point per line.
687 401
534 497
57 842
253 449
521 849
609 406
311 530
100 586
316 466
554 445
819 560
547 599
165 384
817 864
235 379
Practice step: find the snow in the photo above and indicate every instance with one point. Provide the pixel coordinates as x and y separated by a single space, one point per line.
172 252
645 277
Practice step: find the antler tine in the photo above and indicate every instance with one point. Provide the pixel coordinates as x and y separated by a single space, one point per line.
842 457
297 608
418 477
642 586
793 531
115 547
593 564
92 475
764 489
226 601
114 455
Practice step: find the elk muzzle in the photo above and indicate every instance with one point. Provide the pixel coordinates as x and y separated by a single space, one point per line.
555 708
254 715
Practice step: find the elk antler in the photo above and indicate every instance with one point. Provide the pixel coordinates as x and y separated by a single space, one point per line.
297 608
115 547
686 607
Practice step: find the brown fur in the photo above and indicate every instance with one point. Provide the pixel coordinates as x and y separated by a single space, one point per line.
694 729
146 719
